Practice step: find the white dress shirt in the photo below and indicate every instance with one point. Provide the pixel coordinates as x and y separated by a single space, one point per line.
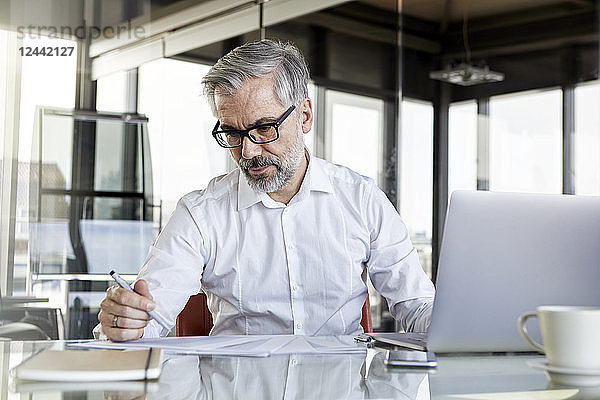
268 268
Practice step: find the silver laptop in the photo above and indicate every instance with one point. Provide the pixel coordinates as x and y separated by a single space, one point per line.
504 254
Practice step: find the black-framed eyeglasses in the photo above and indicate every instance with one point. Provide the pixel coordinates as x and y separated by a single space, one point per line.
259 134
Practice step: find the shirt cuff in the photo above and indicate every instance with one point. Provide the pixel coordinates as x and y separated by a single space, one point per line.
414 315
98 334
155 330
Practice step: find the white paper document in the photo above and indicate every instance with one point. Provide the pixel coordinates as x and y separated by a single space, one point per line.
242 345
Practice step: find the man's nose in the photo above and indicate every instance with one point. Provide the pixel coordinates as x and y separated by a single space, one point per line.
250 149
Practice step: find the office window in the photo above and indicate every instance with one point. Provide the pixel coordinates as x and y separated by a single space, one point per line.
462 146
416 175
45 81
587 139
184 154
3 77
355 124
526 142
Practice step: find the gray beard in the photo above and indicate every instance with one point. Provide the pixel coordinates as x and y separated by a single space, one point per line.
286 168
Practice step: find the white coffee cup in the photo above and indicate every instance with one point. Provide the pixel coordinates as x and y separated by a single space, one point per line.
571 335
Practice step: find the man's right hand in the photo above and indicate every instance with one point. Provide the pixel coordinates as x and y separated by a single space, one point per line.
123 314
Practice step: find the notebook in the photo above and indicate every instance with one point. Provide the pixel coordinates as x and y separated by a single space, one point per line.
93 365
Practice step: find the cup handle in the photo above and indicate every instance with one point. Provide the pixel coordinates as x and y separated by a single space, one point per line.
523 331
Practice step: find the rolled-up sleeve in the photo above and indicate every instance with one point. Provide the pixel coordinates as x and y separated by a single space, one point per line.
174 266
393 265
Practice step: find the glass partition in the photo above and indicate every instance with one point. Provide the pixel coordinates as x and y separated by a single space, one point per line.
90 208
75 191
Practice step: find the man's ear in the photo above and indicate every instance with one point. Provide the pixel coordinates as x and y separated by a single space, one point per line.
306 113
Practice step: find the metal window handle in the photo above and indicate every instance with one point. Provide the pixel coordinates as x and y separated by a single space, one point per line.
525 335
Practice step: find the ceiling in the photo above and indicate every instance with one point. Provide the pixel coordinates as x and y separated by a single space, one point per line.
435 10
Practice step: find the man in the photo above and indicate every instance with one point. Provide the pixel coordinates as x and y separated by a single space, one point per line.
282 245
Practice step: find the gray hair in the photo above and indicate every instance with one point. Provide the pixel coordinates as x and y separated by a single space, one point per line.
256 60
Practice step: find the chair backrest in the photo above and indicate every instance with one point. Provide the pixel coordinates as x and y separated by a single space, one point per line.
196 319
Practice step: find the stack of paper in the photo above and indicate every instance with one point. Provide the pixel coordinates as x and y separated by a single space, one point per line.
320 345
243 345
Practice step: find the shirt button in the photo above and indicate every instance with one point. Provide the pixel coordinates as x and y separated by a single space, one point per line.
294 361
294 288
299 325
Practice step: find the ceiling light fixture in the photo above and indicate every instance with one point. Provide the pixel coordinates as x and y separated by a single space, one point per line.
466 74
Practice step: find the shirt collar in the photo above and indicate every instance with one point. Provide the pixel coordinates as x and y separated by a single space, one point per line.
246 196
315 179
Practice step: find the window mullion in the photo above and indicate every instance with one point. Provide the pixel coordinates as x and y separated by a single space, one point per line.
10 169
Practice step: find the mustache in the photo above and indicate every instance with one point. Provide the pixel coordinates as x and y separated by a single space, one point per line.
259 161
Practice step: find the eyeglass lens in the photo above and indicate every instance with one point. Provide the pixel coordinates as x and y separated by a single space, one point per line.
260 134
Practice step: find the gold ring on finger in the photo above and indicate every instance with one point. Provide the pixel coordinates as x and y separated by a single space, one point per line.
115 321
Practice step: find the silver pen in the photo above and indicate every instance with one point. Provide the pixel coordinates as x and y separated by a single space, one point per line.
154 314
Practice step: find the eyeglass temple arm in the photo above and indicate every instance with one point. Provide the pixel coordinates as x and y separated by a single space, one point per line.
284 116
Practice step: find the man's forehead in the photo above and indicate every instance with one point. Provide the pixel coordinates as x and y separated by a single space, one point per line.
257 94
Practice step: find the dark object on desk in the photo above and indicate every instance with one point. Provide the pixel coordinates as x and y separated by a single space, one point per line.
196 319
410 358
81 320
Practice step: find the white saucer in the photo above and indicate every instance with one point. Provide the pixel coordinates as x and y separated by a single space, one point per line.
567 376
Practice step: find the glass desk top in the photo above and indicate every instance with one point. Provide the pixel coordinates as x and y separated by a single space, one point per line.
356 376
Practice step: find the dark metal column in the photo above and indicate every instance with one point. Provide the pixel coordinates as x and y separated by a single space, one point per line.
318 53
84 141
131 91
483 144
131 148
441 105
392 111
568 128
85 89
